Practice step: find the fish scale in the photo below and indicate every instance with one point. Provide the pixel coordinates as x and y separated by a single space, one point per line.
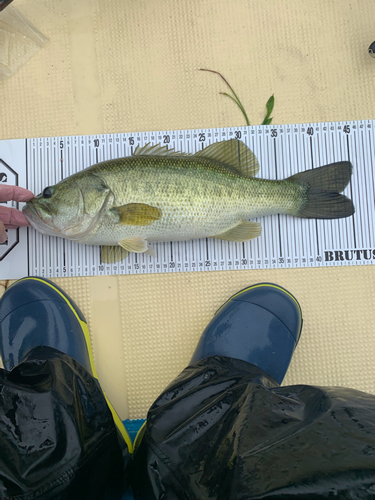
145 185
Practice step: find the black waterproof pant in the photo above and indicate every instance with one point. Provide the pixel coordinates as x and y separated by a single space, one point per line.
224 430
57 435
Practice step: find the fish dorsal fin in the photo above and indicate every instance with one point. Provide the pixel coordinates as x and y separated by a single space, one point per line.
157 150
233 153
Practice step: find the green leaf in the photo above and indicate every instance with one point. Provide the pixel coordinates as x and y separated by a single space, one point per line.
239 104
235 98
270 104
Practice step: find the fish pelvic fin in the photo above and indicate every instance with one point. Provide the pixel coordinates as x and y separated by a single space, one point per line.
244 231
234 154
322 188
113 254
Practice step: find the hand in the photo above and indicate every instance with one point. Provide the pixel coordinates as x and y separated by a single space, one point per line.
10 218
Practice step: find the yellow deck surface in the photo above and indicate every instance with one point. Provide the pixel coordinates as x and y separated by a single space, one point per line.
116 66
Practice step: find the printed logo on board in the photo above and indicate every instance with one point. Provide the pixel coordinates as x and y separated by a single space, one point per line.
349 255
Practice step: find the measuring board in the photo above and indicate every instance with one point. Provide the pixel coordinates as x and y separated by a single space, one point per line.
286 242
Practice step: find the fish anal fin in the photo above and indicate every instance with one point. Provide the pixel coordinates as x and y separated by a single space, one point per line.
150 251
136 214
111 254
244 231
234 154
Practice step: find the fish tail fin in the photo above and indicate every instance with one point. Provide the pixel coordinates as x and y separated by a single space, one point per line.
323 185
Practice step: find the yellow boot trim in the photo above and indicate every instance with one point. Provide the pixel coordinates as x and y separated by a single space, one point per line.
85 329
139 436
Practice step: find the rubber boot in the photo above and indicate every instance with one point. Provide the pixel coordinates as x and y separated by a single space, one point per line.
260 324
36 312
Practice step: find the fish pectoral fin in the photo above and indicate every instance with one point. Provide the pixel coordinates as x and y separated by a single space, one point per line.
112 254
136 214
235 155
137 245
245 231
157 150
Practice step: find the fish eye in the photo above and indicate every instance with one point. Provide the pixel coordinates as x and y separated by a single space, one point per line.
47 193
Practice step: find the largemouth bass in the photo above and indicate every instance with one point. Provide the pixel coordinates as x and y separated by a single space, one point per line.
158 194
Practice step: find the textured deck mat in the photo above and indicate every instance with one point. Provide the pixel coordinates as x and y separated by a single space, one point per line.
132 66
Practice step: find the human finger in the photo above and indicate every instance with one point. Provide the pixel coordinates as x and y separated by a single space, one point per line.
3 234
15 193
11 216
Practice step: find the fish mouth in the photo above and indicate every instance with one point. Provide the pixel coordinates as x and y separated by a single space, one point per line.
35 219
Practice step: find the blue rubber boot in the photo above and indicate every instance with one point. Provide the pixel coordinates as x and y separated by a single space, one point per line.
260 324
36 312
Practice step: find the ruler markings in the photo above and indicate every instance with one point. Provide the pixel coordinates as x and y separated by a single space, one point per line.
368 189
351 191
350 144
342 222
264 228
297 167
371 184
307 227
325 161
286 166
336 229
311 147
371 152
312 222
289 160
360 187
286 235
